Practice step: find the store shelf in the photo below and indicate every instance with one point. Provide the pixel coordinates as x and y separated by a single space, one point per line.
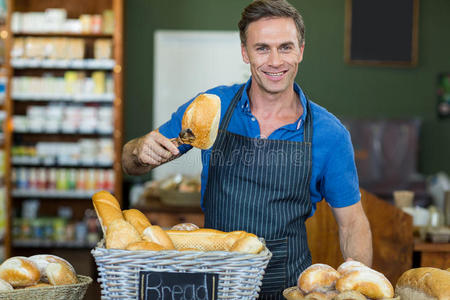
72 133
37 243
36 162
63 34
28 193
79 64
94 98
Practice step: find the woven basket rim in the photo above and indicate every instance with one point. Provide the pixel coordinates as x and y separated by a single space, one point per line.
84 280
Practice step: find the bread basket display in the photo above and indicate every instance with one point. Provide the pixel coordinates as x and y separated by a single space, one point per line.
61 292
132 246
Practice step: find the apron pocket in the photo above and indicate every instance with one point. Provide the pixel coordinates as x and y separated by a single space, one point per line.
274 279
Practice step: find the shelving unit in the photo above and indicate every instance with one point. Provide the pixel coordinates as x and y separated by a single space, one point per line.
61 98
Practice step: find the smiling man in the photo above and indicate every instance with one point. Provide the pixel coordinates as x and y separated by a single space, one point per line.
276 154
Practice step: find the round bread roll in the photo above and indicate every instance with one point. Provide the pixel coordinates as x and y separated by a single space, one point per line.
42 261
350 295
39 285
317 296
5 286
368 282
137 219
185 226
145 245
157 235
202 117
120 234
424 283
318 278
350 265
60 274
293 293
19 271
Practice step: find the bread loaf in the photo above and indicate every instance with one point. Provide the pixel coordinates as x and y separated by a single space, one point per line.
137 219
60 274
19 271
424 283
107 208
215 240
321 295
145 245
120 234
202 118
157 235
5 286
367 281
42 261
350 295
293 293
350 265
39 285
318 278
185 226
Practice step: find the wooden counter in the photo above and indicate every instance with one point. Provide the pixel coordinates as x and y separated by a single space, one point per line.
435 255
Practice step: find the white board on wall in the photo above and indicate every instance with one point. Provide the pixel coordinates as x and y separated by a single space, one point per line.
187 63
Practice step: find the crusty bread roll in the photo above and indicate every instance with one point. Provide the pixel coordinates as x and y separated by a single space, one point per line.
424 283
60 274
120 234
368 282
39 285
107 208
215 240
293 293
318 278
157 235
350 295
42 261
350 265
137 219
19 271
185 226
321 295
202 117
5 286
145 245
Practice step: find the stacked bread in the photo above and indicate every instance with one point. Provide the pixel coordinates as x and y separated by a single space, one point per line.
424 283
131 230
351 281
35 271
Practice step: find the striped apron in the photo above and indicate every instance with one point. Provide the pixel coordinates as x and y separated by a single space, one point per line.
262 186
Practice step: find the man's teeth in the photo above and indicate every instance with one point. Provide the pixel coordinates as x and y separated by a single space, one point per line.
275 74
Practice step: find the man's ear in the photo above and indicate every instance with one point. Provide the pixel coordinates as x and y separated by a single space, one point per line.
302 49
244 54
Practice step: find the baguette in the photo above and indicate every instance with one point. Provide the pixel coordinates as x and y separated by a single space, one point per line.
120 234
157 235
107 208
145 245
424 283
19 271
216 240
137 219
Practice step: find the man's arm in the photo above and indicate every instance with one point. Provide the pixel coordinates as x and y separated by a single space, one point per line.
142 154
355 237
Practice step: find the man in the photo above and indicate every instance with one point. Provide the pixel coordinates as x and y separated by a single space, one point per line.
276 154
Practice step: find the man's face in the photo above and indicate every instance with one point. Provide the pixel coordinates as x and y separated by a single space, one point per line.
273 52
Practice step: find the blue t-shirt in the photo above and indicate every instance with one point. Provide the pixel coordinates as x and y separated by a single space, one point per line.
333 177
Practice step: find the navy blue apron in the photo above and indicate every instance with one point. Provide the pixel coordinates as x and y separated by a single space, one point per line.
262 186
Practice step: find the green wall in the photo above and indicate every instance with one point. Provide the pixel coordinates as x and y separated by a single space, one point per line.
346 91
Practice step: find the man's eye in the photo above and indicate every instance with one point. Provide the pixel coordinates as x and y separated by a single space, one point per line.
261 49
286 48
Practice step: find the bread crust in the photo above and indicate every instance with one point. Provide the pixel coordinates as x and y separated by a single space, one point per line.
350 295
350 265
202 117
19 271
185 226
157 235
368 282
5 286
60 274
137 219
318 277
433 282
42 261
120 234
145 245
293 293
107 208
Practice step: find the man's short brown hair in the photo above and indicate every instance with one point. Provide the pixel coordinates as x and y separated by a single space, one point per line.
259 9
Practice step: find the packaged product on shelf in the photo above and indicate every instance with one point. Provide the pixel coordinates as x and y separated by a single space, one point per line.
3 215
99 82
85 21
108 21
96 23
18 49
103 49
55 19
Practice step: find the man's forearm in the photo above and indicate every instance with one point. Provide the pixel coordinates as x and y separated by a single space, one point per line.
356 241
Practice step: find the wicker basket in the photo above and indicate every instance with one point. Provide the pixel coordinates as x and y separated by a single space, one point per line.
57 292
240 275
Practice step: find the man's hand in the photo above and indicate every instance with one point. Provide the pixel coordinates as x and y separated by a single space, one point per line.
147 152
355 236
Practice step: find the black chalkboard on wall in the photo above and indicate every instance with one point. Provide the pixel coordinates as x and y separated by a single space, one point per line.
381 32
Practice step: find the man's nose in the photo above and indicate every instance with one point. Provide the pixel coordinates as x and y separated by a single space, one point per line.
275 58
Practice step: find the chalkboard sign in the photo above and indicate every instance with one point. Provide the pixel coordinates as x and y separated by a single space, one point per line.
177 286
381 32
